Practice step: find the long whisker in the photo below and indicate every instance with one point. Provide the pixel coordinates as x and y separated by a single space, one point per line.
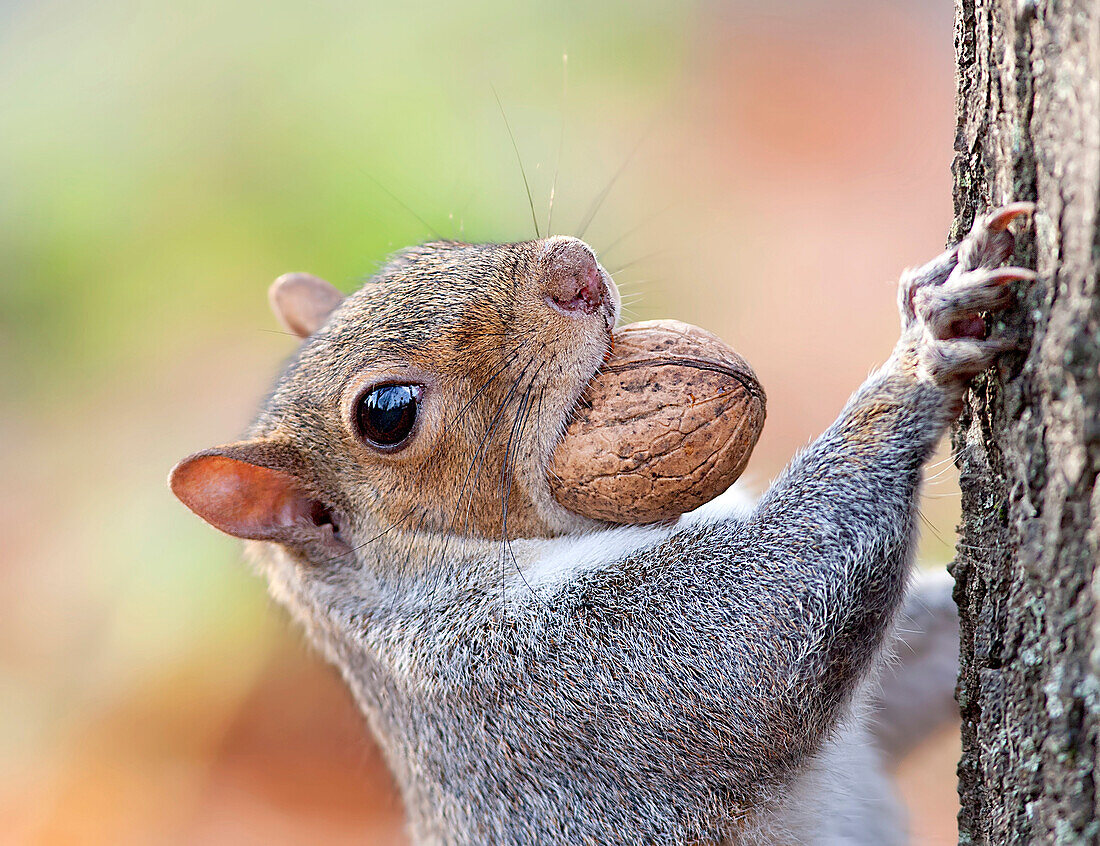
457 507
595 207
940 463
506 493
637 260
462 212
645 221
627 284
484 385
509 456
479 457
561 142
405 206
519 159
971 547
371 540
510 473
931 527
481 446
281 332
404 517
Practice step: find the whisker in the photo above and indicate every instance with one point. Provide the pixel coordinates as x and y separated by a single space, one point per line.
644 222
941 462
638 260
478 454
366 543
507 361
405 206
598 202
281 332
457 507
519 159
522 416
979 548
936 477
462 211
561 142
506 491
492 428
931 527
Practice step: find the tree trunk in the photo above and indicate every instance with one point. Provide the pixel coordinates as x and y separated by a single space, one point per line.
1028 443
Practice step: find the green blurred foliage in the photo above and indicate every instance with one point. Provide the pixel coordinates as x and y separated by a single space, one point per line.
159 160
160 163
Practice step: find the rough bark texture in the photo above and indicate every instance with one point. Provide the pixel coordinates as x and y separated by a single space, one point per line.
1028 445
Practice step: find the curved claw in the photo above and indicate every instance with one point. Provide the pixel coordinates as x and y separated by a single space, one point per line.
998 220
1004 275
989 242
993 276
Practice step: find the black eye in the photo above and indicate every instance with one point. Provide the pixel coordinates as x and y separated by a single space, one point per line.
386 414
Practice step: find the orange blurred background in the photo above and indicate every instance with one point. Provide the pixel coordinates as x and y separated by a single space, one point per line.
159 166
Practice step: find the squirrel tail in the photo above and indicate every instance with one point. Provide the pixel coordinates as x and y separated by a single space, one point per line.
916 686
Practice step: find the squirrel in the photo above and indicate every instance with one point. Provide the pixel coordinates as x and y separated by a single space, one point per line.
534 676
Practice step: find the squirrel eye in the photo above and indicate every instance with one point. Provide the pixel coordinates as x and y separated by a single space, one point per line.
385 415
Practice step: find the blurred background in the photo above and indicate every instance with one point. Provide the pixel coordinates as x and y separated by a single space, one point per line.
765 174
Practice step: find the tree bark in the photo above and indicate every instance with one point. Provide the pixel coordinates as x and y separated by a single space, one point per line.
1028 443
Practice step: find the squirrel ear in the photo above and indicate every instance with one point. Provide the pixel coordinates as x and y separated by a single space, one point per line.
303 302
247 490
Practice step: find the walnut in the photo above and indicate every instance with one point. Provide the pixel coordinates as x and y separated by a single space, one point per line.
667 424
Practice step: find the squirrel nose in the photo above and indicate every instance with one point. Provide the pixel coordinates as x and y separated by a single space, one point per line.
574 283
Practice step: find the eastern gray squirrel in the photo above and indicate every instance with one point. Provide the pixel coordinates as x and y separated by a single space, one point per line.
536 677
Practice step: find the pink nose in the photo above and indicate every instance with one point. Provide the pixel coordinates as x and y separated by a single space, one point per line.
574 283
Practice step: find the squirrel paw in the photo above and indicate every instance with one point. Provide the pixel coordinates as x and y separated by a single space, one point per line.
944 300
988 244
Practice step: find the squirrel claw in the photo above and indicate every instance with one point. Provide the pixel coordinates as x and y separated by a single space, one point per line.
986 246
962 359
989 242
998 220
948 311
1004 275
946 307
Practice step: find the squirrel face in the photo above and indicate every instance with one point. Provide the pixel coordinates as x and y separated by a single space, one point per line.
428 401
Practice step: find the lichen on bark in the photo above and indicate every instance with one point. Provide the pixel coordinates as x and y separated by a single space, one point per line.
1028 442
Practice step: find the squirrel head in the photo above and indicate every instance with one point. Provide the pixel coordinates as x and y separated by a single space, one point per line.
428 401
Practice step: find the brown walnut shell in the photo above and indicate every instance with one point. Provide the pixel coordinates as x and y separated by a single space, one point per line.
668 423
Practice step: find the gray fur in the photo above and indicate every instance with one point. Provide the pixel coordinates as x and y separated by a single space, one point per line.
914 693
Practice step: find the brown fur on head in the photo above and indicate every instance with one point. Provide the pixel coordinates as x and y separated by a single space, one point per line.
500 340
